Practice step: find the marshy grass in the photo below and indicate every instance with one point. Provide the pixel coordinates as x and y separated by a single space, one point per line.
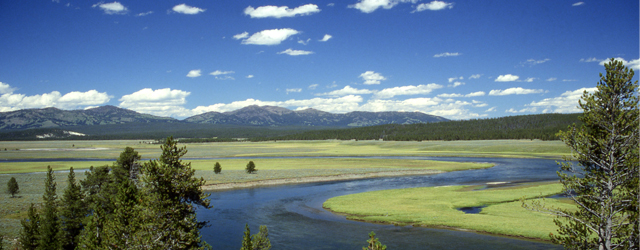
438 207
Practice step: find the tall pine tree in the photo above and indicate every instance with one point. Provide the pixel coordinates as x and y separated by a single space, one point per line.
72 211
50 222
30 232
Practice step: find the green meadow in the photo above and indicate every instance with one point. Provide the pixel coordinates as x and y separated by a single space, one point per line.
438 207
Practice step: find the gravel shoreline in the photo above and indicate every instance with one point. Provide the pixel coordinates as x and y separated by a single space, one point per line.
310 179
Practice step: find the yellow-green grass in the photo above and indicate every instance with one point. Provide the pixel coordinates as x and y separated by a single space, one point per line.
111 149
438 207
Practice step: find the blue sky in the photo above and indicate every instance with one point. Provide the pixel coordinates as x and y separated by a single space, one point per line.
456 59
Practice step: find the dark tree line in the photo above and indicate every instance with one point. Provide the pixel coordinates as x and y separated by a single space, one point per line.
542 127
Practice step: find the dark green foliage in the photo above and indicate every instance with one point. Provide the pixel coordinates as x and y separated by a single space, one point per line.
246 239
170 193
12 187
260 241
72 212
605 187
98 189
542 127
373 243
50 221
217 168
30 232
251 167
127 166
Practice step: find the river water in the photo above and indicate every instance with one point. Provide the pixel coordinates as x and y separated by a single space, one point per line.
296 220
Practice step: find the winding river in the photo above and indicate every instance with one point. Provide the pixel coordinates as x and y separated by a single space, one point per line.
296 219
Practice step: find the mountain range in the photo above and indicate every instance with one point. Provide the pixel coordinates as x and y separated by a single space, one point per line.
266 116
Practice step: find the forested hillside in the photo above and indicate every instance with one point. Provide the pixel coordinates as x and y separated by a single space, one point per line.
543 127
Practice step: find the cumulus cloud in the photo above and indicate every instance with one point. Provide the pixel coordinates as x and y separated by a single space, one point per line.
476 76
145 13
325 38
474 94
111 8
530 79
447 54
250 76
406 90
371 77
515 91
303 42
10 101
219 72
313 86
633 64
242 35
296 52
186 9
279 12
577 4
435 5
368 6
194 73
268 37
567 102
161 102
507 78
335 105
492 109
347 90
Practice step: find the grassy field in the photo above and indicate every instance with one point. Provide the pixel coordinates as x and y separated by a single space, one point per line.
438 207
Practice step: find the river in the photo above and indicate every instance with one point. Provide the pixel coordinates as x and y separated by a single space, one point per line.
296 220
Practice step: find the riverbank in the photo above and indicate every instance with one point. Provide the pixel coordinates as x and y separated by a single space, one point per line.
499 209
312 179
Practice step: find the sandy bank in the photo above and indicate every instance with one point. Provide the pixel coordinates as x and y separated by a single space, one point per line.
298 180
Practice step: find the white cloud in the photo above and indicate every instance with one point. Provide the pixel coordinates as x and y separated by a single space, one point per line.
269 37
577 4
218 72
530 79
511 110
303 42
447 54
591 59
551 79
371 77
112 8
455 78
250 76
293 91
515 91
368 6
479 104
225 78
456 84
296 52
569 80
6 88
194 73
435 5
347 90
474 94
241 35
533 62
145 13
492 109
161 102
313 86
279 12
565 103
325 38
186 9
406 90
633 64
476 76
10 101
450 95
335 105
507 78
